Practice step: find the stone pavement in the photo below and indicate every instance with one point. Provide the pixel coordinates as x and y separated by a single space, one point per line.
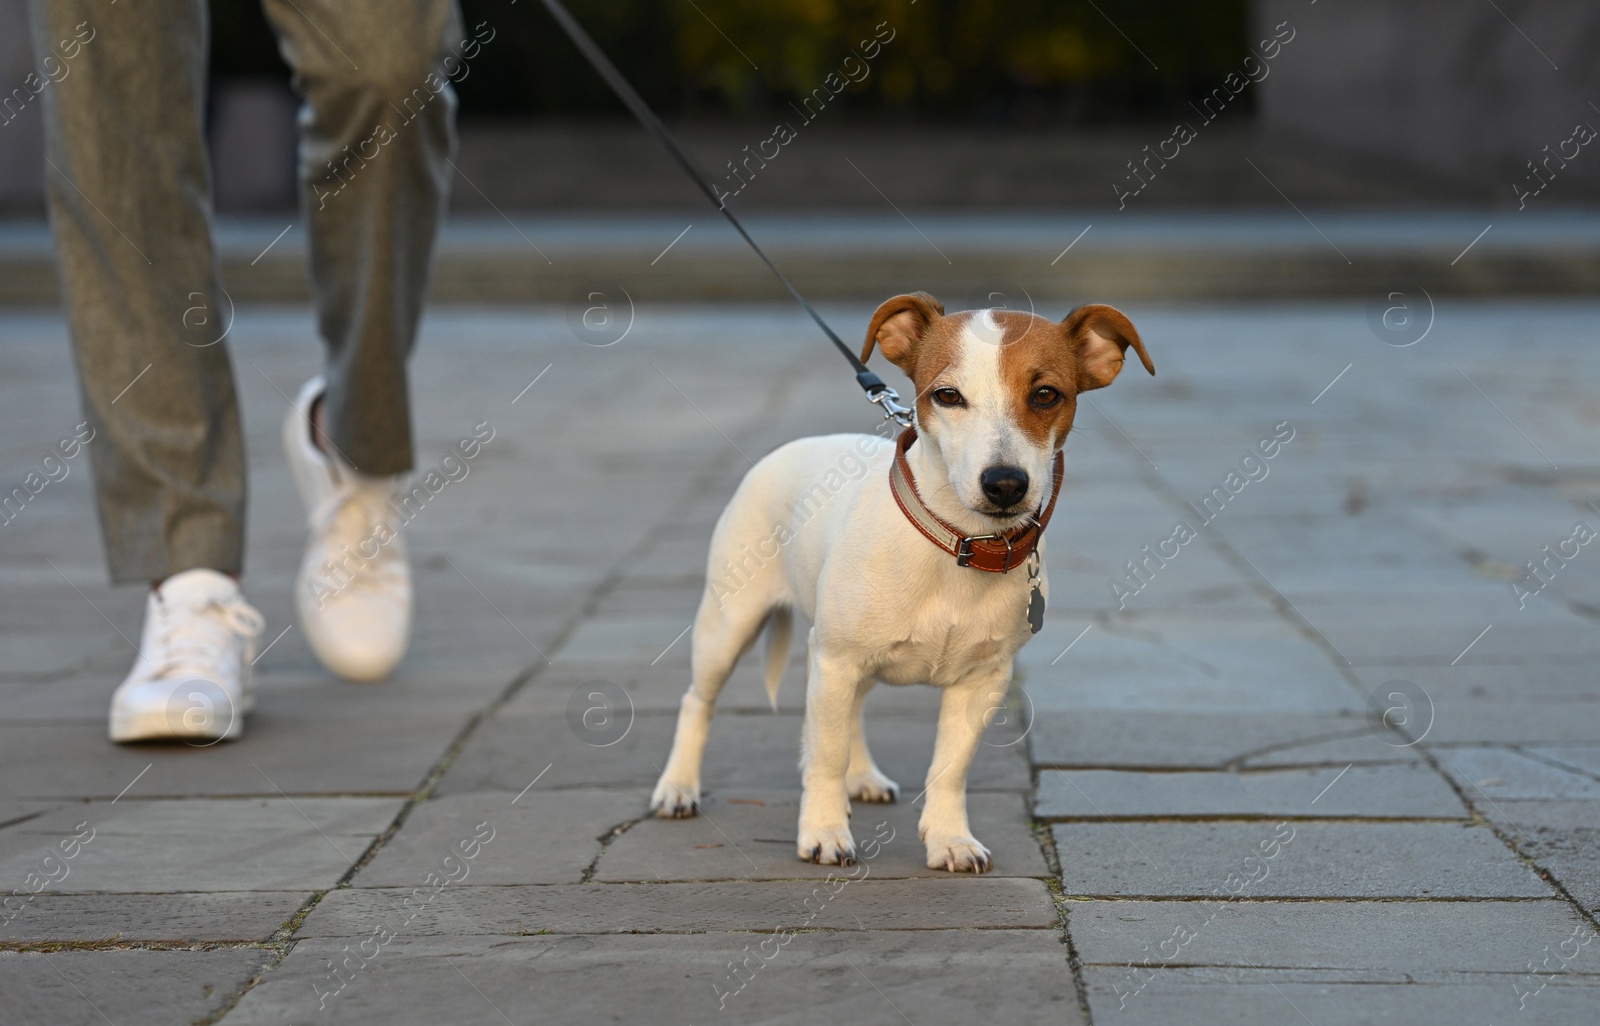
1312 760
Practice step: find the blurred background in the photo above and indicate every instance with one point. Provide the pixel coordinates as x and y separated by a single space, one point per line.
1384 116
1015 104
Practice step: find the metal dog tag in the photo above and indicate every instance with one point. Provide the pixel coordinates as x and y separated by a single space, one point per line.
1035 596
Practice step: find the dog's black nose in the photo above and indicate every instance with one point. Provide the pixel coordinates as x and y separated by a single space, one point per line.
1005 486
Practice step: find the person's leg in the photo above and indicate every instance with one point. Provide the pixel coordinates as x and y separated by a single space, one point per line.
377 134
128 188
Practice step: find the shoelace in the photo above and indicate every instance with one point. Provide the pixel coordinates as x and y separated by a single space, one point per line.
352 522
189 639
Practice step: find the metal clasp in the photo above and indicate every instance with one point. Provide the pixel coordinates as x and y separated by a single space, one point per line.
889 401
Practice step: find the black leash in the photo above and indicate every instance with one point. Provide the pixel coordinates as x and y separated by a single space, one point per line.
877 391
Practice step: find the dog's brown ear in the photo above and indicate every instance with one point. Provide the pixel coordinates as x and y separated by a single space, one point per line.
899 324
1099 336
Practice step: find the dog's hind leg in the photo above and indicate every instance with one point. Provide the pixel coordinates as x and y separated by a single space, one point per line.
720 637
832 685
863 779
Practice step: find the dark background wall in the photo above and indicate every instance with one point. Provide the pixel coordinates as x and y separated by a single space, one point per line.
1004 62
977 104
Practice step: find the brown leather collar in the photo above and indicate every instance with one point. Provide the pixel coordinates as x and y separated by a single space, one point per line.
996 553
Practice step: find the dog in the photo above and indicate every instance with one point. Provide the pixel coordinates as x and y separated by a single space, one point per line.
917 561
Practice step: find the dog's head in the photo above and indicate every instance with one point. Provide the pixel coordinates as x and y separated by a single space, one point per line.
997 389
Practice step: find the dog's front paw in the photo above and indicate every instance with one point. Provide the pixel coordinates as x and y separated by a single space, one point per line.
673 800
961 854
871 786
827 847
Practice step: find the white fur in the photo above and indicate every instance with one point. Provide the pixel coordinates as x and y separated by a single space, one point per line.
885 605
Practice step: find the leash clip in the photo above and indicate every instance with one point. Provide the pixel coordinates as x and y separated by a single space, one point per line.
889 400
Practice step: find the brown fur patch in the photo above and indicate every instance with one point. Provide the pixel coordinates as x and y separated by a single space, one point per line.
1034 354
939 350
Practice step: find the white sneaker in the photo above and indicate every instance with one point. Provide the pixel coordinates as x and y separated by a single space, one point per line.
353 592
192 679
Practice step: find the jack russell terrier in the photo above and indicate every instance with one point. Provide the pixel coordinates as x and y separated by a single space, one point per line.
918 561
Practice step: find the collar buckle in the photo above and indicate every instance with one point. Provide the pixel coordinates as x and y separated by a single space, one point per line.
964 547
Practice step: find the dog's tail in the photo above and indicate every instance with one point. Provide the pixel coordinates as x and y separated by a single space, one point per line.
780 623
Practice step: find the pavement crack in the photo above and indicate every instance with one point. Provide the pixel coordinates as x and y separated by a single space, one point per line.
1528 858
1238 762
117 944
1553 762
1055 884
23 818
1482 562
605 840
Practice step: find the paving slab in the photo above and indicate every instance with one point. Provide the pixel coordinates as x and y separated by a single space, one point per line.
650 688
1374 792
1178 660
844 903
1210 739
291 686
1585 758
750 835
1313 859
176 918
541 837
1482 720
129 988
304 752
1500 774
1563 838
1541 699
1328 551
1402 936
658 687
1422 627
754 750
635 637
637 594
874 977
1112 518
204 844
1270 997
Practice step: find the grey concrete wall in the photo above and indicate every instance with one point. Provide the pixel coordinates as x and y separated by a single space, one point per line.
253 142
1467 88
21 130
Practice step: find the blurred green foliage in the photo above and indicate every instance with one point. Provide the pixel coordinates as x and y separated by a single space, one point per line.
998 61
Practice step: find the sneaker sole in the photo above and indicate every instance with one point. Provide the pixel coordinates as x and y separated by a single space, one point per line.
154 726
176 723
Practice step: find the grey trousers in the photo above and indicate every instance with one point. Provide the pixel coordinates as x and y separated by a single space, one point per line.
129 195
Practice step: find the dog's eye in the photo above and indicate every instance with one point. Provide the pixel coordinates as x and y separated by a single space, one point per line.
1046 397
948 397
